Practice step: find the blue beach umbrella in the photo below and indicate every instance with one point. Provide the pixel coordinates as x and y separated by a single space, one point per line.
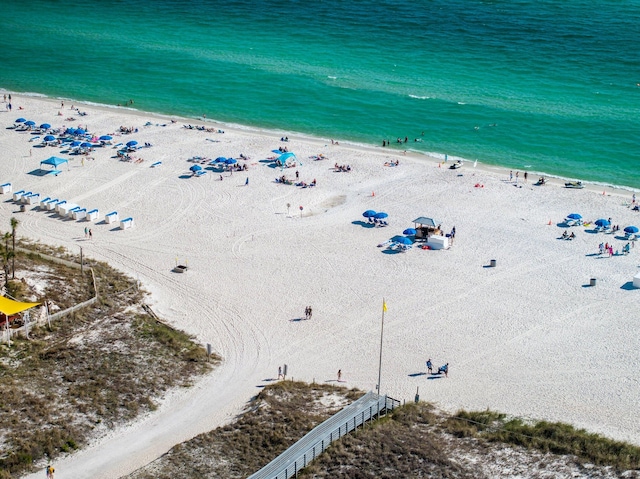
30 123
369 214
80 131
132 143
403 240
409 231
20 120
86 145
220 159
631 229
602 222
76 143
105 138
45 126
574 216
381 215
49 138
230 161
195 168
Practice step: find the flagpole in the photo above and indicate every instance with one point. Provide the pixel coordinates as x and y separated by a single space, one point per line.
384 306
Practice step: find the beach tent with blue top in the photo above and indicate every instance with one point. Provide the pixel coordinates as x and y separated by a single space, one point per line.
54 161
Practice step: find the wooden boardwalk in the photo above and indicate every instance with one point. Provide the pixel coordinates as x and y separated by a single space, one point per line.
291 461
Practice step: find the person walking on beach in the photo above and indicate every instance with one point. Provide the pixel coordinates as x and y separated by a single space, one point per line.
517 175
525 176
86 232
339 374
50 471
280 372
511 176
429 366
90 234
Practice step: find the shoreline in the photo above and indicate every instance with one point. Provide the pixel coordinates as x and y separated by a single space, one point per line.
528 338
426 156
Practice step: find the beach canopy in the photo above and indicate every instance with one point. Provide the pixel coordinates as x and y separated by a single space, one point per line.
631 229
285 156
381 215
195 168
574 216
369 214
409 231
46 126
105 138
424 221
132 143
9 307
602 222
54 161
20 120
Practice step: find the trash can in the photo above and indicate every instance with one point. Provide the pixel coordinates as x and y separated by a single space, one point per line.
492 263
592 282
23 208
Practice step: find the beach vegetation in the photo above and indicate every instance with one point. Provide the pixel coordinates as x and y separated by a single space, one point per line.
94 369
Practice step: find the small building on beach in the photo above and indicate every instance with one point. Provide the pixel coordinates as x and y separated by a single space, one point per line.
426 227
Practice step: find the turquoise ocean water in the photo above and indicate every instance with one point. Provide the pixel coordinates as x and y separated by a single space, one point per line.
547 85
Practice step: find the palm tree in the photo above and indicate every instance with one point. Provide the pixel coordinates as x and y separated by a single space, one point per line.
14 227
7 254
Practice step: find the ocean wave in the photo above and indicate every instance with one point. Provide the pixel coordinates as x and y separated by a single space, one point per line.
419 97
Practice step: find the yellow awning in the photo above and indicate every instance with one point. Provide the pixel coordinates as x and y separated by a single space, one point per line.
11 307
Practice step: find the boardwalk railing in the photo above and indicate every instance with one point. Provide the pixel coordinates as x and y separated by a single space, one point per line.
290 462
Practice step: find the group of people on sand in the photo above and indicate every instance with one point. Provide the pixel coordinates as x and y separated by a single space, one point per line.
392 163
444 369
308 312
344 168
567 236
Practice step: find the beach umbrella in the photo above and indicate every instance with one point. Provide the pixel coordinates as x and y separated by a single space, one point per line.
80 131
132 143
369 214
230 161
30 123
86 145
631 229
195 168
574 216
76 143
45 126
20 120
220 159
49 138
404 240
409 231
381 215
105 138
602 222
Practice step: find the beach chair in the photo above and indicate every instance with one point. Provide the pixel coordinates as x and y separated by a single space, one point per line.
111 217
157 163
79 214
23 198
93 215
17 195
126 223
200 173
6 188
33 199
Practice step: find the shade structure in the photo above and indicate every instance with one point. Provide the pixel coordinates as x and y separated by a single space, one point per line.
286 156
46 126
195 168
132 143
230 161
403 240
76 143
9 307
409 231
49 138
381 215
20 120
602 222
574 216
631 229
80 131
106 138
54 161
30 123
369 214
85 144
220 159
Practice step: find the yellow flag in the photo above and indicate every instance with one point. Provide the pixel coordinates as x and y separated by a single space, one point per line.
384 306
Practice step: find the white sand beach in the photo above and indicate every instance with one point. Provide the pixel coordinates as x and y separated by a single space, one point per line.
528 337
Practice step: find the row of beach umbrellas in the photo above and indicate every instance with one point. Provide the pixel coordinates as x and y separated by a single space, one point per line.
373 214
603 223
